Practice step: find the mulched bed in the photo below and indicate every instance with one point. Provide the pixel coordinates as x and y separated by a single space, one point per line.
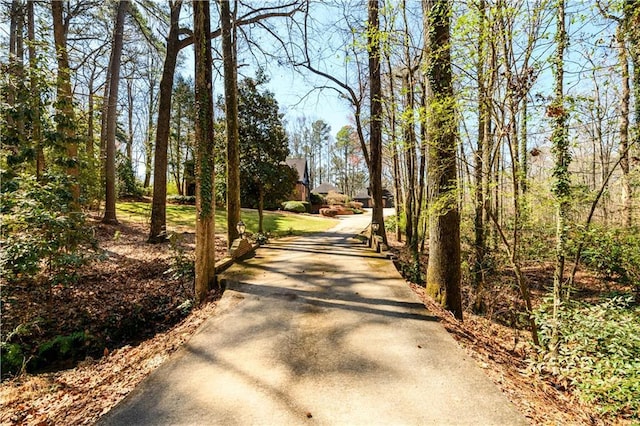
126 295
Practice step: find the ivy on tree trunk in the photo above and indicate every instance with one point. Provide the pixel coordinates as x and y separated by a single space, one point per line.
205 206
443 270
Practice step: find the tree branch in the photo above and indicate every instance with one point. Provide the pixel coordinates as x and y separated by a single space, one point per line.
248 19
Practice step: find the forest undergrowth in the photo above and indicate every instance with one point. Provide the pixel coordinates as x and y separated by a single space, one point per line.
500 343
83 346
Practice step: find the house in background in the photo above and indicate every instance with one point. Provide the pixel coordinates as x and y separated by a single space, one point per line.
325 188
301 191
364 198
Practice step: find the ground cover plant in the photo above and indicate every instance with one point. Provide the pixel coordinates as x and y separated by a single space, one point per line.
598 352
594 366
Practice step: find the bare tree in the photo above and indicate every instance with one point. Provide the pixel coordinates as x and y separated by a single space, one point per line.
35 91
157 230
624 32
112 115
231 120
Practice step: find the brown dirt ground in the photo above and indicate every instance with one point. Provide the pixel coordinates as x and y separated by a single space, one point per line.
127 305
133 279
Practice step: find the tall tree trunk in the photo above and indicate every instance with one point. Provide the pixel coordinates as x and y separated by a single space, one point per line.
375 133
346 170
260 208
422 168
411 228
231 119
103 126
624 127
204 141
65 115
397 186
524 163
149 142
16 27
157 231
561 185
129 150
91 118
112 116
35 92
632 29
443 270
483 123
175 154
397 178
488 156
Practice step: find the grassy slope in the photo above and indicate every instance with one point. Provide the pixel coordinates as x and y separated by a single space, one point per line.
182 217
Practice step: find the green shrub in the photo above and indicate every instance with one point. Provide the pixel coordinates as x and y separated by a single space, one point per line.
603 251
316 199
537 243
598 352
12 358
16 351
614 253
62 346
127 184
182 199
182 264
390 223
42 237
294 206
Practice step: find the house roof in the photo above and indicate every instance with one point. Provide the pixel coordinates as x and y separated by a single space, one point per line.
325 188
362 196
300 165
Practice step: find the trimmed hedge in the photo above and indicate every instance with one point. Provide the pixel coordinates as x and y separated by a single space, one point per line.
182 199
294 206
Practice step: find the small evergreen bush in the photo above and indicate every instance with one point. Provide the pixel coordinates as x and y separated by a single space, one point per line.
604 251
294 206
615 254
316 199
127 184
43 239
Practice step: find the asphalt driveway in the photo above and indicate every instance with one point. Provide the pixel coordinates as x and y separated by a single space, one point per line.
318 330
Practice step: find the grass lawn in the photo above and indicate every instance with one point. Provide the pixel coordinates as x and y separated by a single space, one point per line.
182 217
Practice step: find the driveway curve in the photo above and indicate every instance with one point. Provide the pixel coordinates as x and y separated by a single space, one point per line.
318 330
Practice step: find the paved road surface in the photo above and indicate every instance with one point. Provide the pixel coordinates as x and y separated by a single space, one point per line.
318 330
